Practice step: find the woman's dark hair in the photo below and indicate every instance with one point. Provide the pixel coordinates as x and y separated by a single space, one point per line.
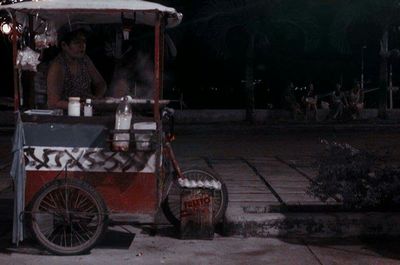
69 36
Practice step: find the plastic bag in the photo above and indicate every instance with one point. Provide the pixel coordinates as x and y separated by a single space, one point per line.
47 38
27 59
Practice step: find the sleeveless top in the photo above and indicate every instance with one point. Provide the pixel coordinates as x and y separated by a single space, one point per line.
337 98
355 97
75 85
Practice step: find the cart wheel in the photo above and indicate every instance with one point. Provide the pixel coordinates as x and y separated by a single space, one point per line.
171 204
68 217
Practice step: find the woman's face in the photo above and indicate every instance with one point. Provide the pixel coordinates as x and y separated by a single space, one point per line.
76 48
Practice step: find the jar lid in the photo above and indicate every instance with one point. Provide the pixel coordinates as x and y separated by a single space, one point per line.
74 98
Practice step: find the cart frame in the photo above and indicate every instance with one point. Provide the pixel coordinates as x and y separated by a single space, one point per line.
57 204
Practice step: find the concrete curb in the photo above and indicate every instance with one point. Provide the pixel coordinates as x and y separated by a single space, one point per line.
318 225
245 129
193 116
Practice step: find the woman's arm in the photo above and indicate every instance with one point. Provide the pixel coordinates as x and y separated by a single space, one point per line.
346 102
99 84
55 81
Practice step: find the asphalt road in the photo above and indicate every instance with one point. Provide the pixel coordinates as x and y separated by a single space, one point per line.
258 141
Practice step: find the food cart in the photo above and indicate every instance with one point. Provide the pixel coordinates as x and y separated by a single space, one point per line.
69 182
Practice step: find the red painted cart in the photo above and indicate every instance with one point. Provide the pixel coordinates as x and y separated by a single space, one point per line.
75 183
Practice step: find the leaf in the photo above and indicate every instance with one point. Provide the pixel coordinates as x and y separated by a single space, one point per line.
382 13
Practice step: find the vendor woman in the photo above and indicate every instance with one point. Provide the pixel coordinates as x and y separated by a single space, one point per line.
72 73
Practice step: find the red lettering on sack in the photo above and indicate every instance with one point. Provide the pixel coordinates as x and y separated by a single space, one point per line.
198 202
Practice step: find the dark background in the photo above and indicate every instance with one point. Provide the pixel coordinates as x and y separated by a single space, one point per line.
210 78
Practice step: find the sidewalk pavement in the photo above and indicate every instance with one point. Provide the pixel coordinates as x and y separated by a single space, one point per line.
267 172
268 198
129 245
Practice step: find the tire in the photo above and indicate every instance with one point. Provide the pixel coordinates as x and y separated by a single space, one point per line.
68 217
171 203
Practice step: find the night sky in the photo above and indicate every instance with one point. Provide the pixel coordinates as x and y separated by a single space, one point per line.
210 75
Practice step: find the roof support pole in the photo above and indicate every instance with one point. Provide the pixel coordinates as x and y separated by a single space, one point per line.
28 77
14 41
158 86
158 63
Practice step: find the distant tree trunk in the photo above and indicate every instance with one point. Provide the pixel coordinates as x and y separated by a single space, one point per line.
250 104
383 74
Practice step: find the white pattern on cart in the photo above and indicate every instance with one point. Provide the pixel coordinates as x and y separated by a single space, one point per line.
39 158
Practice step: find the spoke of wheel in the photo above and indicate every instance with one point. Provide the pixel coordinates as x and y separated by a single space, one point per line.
84 200
58 199
48 232
61 236
60 192
72 193
44 208
65 236
53 235
66 193
85 232
84 216
79 236
48 203
77 199
52 198
70 228
89 207
90 230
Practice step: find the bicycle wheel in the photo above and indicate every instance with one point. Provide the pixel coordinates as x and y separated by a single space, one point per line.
68 217
171 204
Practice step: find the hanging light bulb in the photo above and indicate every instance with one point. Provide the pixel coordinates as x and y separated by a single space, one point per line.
5 27
127 25
125 32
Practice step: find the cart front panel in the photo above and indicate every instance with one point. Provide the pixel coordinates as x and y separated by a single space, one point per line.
127 181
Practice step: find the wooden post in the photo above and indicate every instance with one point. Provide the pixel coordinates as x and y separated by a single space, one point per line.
15 69
29 83
158 63
158 86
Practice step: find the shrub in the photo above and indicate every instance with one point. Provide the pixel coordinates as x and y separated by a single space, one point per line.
357 177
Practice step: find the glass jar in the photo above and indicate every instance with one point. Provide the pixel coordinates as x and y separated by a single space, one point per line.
88 108
123 117
74 106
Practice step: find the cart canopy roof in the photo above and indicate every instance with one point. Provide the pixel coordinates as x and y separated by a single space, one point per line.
95 11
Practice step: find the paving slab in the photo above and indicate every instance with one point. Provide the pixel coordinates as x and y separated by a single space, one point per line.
264 192
192 162
276 172
351 253
310 224
243 185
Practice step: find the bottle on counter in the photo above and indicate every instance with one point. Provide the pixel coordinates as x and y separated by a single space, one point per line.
88 108
74 106
123 117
